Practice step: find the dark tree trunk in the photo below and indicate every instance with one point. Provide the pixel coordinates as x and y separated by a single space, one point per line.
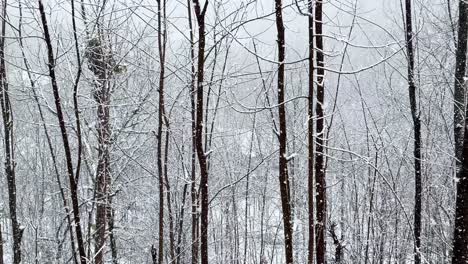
459 87
66 145
200 15
78 126
417 133
161 119
310 138
460 237
321 198
283 162
8 142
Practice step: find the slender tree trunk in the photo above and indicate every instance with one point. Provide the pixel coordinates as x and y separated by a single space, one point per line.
459 87
77 122
161 119
61 120
8 142
321 198
417 133
285 191
310 138
460 237
200 15
75 93
168 196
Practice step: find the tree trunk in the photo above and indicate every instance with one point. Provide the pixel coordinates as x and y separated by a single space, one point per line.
103 168
459 87
8 141
321 198
283 162
417 133
200 14
168 197
99 62
161 117
66 145
310 138
460 237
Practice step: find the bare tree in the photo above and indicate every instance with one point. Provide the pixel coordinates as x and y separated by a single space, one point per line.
416 130
9 144
66 144
321 198
285 191
200 16
162 121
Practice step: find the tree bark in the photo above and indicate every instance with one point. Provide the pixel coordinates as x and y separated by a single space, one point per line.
283 162
103 171
200 15
8 142
460 237
459 87
161 116
64 135
102 97
321 198
417 132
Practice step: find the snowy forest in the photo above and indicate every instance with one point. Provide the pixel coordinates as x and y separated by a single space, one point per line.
233 131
